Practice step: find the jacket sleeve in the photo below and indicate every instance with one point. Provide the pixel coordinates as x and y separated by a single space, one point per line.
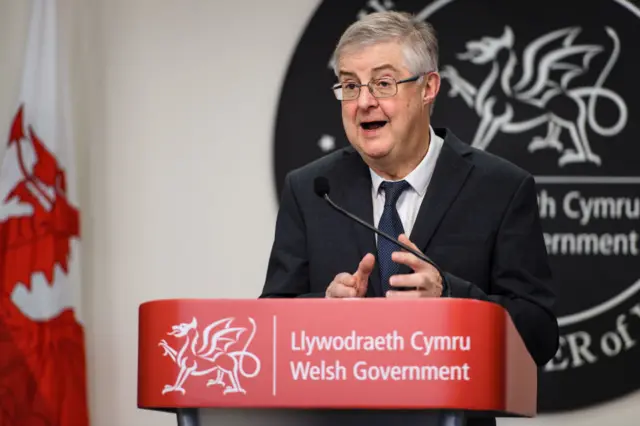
288 265
521 275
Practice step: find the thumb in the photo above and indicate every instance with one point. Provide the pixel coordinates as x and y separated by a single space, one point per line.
365 267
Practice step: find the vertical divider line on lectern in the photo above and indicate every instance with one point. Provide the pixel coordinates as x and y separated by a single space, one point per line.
274 356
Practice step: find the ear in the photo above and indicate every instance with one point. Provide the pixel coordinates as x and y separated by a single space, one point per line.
431 88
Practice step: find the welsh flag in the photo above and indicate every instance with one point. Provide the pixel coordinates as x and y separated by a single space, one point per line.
42 354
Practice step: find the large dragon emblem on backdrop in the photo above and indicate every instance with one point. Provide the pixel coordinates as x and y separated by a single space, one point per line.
520 93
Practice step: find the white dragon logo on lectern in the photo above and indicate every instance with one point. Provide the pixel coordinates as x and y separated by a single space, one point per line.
206 353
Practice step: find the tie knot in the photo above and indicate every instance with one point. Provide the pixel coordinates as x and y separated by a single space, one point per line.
393 190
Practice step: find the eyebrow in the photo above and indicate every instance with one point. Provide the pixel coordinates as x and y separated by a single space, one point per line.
385 67
382 67
343 73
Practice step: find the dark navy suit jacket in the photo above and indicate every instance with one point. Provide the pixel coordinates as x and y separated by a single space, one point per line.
479 222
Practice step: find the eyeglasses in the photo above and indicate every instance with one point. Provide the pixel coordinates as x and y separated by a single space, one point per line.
384 87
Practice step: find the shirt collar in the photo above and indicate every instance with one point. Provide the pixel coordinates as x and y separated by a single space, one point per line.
420 176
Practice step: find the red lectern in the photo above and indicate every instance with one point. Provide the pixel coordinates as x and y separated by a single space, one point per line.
320 361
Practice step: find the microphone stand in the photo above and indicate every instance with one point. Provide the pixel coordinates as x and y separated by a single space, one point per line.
188 417
446 289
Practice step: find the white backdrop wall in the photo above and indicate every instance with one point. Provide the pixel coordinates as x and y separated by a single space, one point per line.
174 105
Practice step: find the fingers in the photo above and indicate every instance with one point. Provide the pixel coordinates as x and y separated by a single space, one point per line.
432 291
343 285
427 283
348 285
408 280
420 284
345 279
391 294
339 291
425 280
409 259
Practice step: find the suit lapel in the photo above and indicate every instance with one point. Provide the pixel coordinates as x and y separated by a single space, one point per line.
354 194
449 175
352 182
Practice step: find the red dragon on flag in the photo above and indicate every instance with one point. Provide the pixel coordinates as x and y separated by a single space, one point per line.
42 359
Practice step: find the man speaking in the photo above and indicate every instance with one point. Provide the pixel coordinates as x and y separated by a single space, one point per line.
473 214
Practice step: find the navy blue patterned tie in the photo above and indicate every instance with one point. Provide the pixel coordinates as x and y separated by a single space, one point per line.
391 224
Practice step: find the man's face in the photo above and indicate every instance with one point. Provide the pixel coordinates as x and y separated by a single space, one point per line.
384 130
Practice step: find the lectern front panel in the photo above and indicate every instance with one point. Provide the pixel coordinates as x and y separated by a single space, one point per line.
332 362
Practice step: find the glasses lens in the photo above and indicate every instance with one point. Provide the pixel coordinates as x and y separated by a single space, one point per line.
384 87
350 90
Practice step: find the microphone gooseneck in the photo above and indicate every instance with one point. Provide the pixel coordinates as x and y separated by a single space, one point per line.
322 188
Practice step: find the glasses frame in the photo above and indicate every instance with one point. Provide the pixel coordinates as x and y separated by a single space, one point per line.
369 85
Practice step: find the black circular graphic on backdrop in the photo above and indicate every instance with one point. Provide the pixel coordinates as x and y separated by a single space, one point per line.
564 115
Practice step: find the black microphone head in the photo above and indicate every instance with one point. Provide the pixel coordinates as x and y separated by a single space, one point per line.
321 186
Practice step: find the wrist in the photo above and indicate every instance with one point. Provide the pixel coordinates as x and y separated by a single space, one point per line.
446 290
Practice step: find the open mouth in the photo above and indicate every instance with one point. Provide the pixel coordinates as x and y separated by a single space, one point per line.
373 125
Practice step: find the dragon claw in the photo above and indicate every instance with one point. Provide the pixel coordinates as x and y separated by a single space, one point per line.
230 389
541 143
571 156
169 388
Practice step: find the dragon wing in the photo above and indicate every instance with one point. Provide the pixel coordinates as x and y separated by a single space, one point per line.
226 337
569 59
207 333
37 166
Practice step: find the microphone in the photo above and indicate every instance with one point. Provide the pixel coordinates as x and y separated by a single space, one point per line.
322 188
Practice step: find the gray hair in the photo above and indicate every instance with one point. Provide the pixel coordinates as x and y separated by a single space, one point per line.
418 39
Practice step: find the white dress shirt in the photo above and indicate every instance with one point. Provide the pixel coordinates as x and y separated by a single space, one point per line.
410 200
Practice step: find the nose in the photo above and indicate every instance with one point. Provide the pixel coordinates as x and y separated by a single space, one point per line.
366 99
